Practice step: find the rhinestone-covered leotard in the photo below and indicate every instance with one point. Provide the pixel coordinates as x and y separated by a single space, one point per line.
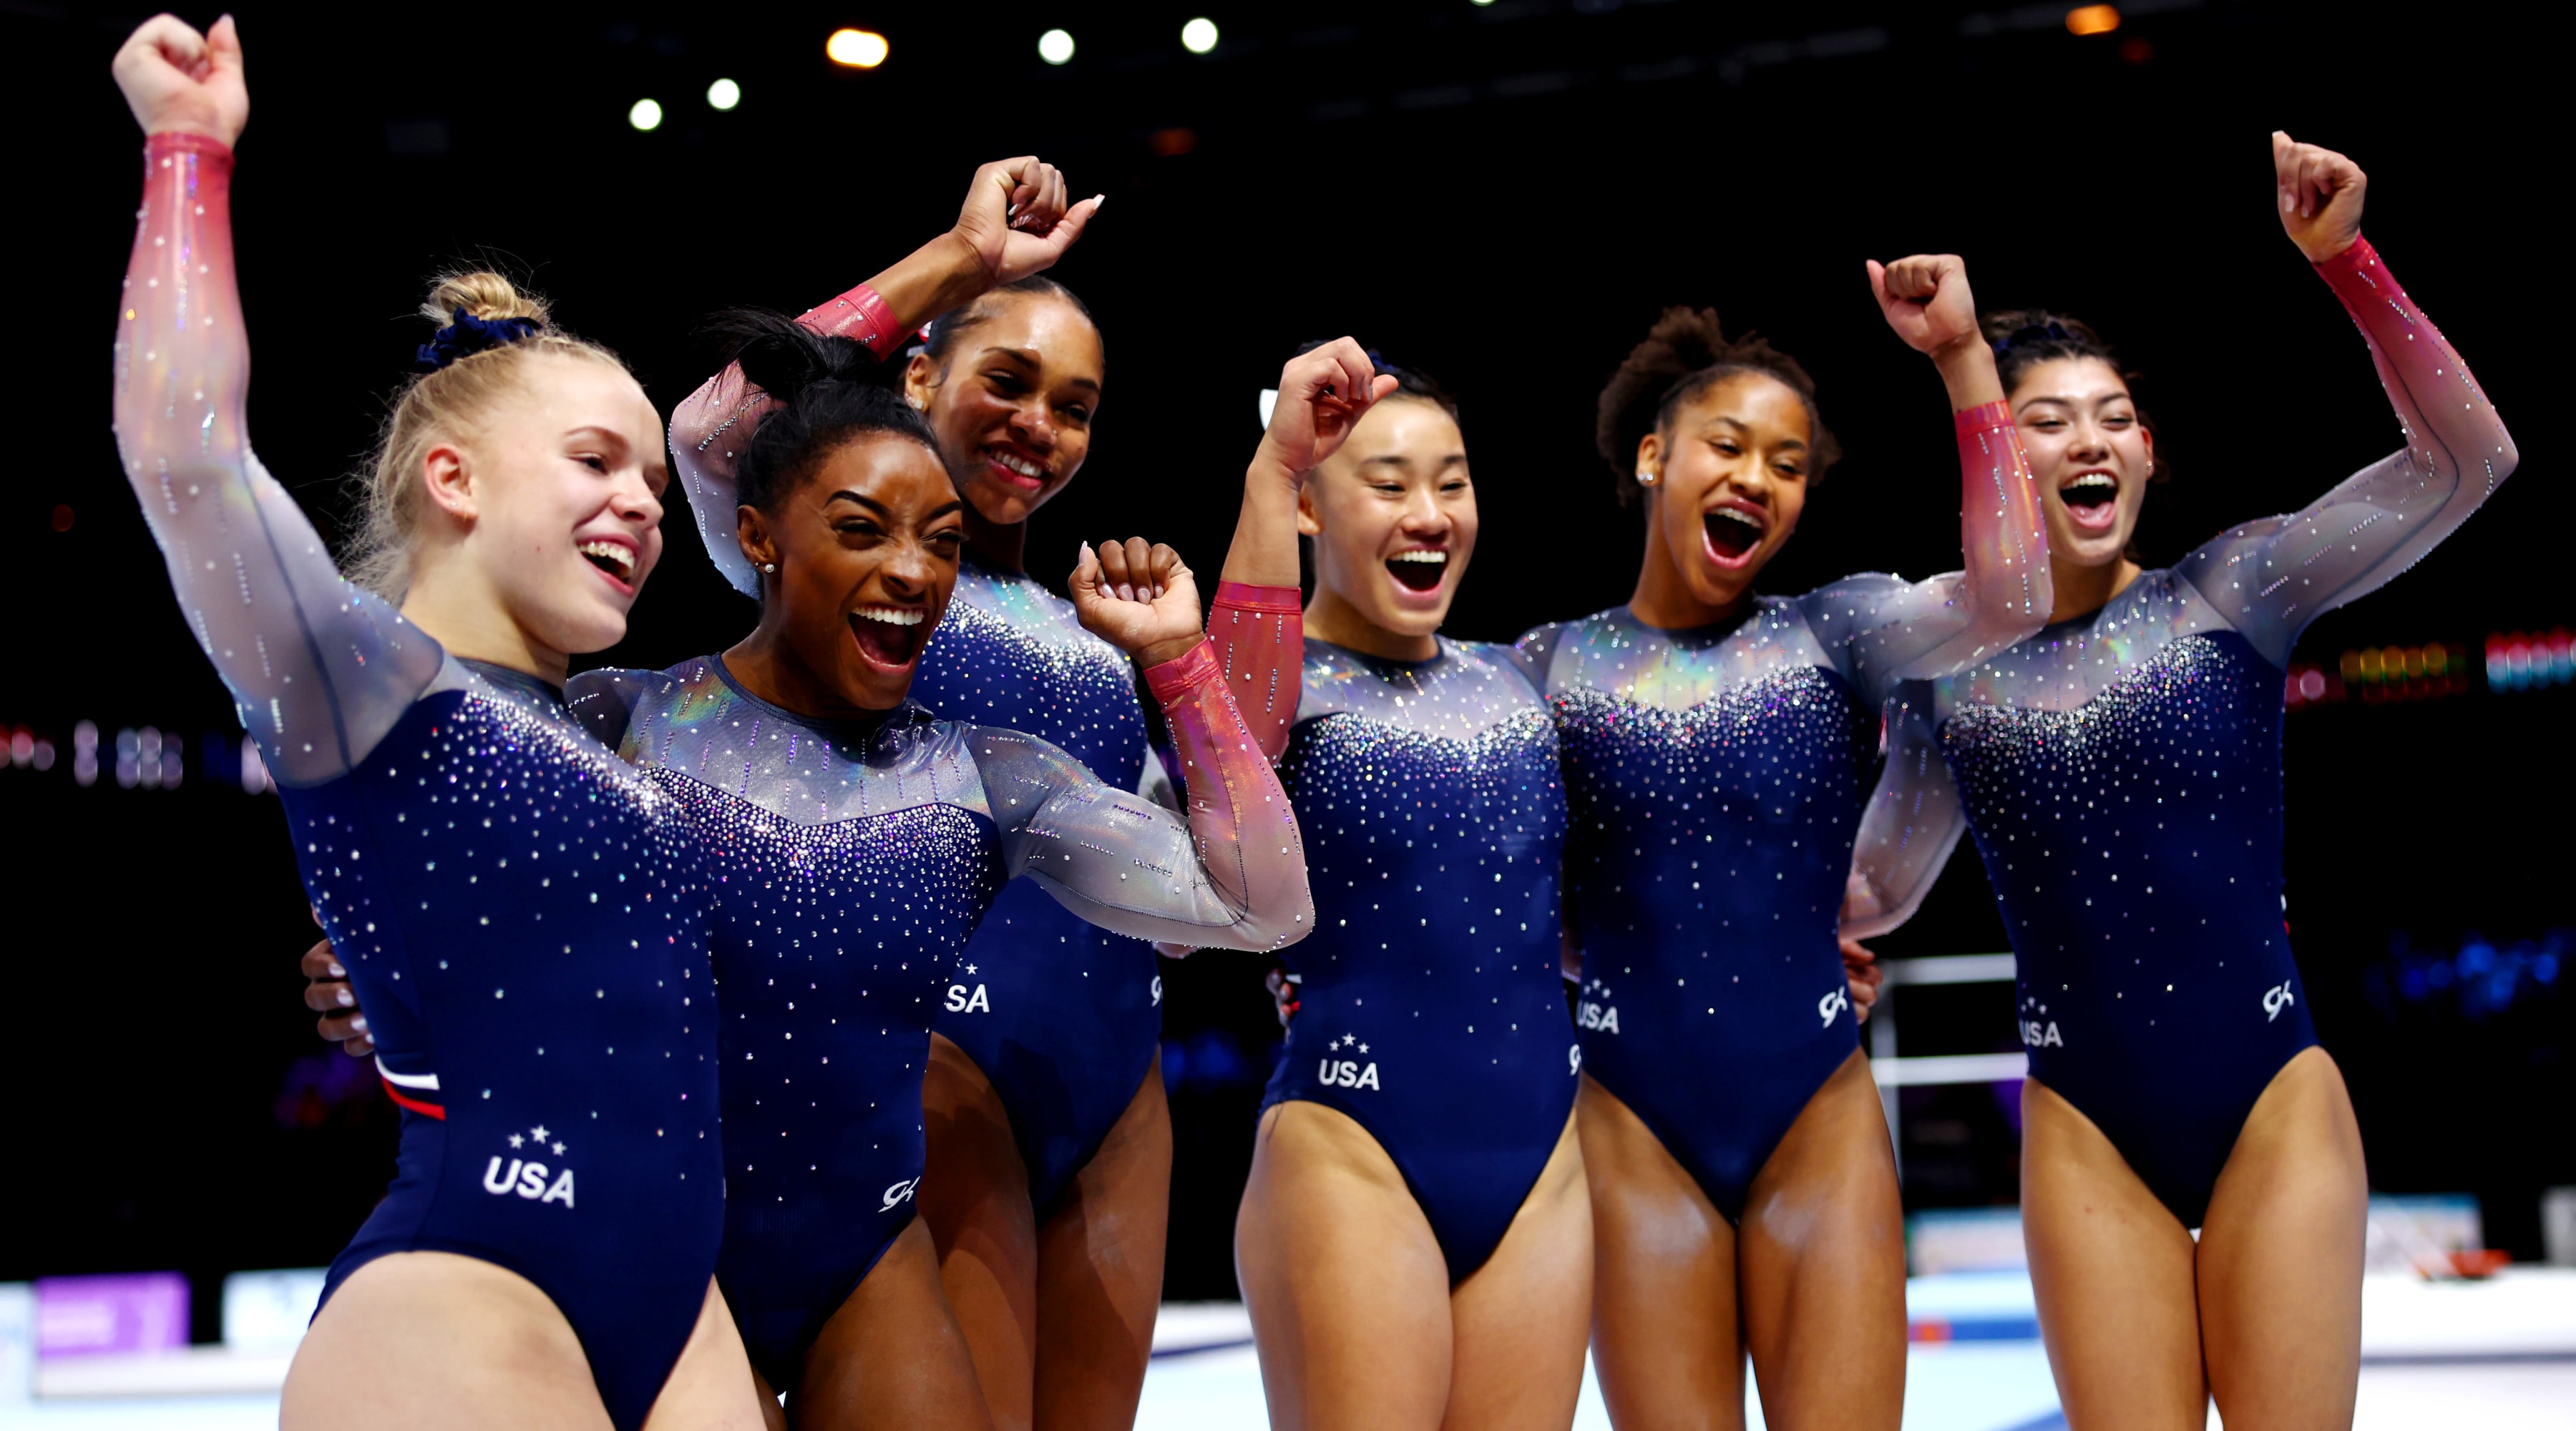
1063 1017
2121 771
517 911
853 861
1713 781
1431 1008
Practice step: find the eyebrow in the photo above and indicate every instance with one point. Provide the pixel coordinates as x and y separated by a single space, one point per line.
1028 357
1742 426
953 504
1392 459
2063 401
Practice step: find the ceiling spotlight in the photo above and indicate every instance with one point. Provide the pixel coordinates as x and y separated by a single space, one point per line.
723 94
1055 47
2092 20
646 115
1199 36
858 49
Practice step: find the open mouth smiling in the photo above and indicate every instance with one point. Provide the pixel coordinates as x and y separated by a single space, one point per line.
2092 498
615 560
1733 531
890 636
1418 570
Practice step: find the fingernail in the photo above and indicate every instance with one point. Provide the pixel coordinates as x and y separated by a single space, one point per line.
1126 592
347 998
1099 202
337 971
358 1022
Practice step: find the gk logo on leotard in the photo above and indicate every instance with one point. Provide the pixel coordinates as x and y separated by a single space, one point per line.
1158 991
962 1002
1574 1060
1347 1072
1832 1004
526 1176
900 1193
2276 999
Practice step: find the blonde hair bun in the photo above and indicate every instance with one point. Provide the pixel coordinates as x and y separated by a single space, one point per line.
483 294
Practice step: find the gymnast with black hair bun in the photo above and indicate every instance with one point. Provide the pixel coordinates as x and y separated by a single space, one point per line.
2121 771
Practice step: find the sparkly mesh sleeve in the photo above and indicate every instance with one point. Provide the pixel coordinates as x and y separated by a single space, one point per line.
1232 876
1260 638
711 424
2272 577
1881 632
1913 821
320 669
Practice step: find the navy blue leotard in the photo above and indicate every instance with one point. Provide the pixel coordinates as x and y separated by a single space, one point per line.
1714 780
519 915
2121 771
1063 1017
852 862
1432 1010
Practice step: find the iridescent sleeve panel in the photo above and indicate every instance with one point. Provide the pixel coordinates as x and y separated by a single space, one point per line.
1912 822
1886 632
1259 634
710 426
320 668
1232 875
2272 577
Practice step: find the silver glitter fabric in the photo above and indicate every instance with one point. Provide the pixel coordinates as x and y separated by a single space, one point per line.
852 861
1432 1011
2121 772
522 921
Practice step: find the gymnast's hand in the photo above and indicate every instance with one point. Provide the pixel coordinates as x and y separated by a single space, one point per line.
1017 221
2320 193
1140 598
1861 971
1925 298
1322 396
178 81
327 992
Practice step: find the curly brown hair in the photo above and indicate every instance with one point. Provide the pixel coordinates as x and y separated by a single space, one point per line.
1685 354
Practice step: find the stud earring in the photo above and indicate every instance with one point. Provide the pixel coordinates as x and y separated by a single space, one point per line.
770 567
1646 478
916 402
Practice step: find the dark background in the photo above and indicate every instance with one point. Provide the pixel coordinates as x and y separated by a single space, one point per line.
1502 196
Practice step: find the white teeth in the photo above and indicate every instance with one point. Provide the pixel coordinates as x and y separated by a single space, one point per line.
1434 558
1733 515
891 615
625 559
2092 481
1019 464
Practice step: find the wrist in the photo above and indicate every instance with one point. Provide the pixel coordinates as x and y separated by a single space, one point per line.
2347 248
1967 368
1173 667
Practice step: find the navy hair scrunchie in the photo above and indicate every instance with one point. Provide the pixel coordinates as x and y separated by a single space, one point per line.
469 335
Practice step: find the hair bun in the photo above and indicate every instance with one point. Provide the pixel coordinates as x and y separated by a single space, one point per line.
480 293
783 357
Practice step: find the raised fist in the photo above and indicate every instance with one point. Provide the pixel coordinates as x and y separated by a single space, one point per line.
178 81
2320 195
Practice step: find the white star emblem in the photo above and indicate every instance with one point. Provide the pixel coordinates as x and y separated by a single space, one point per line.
1363 1048
558 1150
970 968
538 1132
516 1140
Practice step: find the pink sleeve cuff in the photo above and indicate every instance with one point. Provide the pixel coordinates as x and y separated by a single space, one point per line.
1984 416
1177 677
209 150
2352 262
1268 600
862 315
